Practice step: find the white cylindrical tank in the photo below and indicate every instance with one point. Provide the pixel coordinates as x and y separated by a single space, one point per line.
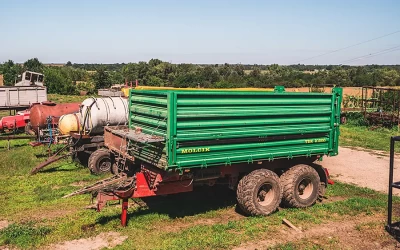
95 113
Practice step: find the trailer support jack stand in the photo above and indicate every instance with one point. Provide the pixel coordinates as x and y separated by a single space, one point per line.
124 213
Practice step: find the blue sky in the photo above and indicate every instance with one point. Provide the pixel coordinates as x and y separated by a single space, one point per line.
248 32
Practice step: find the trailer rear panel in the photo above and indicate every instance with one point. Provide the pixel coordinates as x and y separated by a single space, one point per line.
15 97
207 128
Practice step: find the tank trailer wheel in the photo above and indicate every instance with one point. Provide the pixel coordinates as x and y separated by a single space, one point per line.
82 158
259 192
301 186
100 161
321 191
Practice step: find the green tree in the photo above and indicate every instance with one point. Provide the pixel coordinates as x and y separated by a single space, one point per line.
58 81
33 65
116 77
101 78
10 72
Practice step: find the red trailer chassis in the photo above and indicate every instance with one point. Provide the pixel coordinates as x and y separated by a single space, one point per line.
138 179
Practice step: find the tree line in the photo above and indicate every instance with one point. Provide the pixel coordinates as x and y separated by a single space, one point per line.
72 78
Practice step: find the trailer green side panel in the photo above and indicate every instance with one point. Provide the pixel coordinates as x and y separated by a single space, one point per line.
208 128
149 111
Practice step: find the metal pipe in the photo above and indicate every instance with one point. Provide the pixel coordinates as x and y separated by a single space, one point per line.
15 137
207 178
48 162
124 214
390 193
393 139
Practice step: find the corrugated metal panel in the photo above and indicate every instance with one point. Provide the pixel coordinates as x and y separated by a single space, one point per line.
149 112
21 96
220 128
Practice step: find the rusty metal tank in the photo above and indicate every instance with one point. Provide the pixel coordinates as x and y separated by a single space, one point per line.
40 112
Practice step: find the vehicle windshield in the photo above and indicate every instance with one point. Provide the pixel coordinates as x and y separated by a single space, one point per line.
34 78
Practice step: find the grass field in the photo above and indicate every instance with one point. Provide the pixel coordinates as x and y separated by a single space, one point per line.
205 219
364 137
66 98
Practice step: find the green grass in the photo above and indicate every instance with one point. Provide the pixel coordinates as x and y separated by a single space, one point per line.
205 219
365 137
66 98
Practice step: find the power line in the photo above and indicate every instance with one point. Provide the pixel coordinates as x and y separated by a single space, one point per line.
381 52
357 44
369 56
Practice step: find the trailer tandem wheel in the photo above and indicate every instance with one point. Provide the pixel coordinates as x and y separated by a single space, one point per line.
259 192
100 161
301 186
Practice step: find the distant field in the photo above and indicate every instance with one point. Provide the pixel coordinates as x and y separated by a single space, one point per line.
248 71
355 91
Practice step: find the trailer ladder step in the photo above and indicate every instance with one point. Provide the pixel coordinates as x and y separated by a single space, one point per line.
396 184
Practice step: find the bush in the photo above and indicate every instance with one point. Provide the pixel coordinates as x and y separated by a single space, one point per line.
356 118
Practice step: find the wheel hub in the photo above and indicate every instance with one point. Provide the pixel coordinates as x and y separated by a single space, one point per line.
305 188
105 166
265 195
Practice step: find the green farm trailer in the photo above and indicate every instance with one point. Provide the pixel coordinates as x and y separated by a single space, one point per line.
263 144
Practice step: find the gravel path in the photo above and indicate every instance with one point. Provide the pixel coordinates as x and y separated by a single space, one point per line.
362 168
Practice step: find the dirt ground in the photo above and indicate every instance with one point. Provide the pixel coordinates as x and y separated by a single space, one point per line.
362 168
357 233
101 241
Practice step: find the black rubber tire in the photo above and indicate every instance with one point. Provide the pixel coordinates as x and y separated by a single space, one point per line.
294 179
100 161
82 158
250 188
321 191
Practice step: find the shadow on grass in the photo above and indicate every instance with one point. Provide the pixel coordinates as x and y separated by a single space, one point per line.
5 149
57 169
201 200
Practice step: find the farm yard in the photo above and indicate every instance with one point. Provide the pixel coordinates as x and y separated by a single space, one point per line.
191 125
37 216
352 213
